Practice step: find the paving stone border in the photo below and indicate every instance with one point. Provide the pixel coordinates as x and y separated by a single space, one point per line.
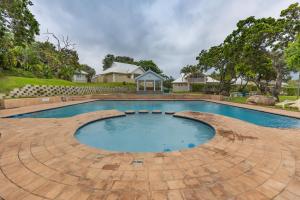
52 90
40 159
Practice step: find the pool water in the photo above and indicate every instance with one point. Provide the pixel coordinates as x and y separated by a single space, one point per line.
252 116
145 133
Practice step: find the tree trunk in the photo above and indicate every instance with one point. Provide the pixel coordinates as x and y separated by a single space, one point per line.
278 65
277 87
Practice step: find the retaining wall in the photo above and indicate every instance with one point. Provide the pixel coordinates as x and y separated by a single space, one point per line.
51 90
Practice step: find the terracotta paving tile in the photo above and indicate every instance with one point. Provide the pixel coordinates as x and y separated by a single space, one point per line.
176 184
39 158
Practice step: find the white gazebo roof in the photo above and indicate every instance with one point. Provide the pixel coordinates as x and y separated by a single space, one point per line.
149 75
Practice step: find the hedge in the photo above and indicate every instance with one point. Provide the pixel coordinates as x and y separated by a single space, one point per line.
214 88
205 88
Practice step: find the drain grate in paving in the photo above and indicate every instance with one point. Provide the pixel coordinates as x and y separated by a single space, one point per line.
111 167
137 162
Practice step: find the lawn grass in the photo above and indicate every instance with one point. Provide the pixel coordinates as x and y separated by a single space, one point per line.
8 83
238 99
244 99
292 98
281 98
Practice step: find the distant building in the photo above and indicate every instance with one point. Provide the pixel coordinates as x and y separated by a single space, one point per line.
119 72
183 83
80 76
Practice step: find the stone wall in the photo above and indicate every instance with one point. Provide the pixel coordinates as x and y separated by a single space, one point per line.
50 90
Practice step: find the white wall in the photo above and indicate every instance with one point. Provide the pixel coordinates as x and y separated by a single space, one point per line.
80 78
180 87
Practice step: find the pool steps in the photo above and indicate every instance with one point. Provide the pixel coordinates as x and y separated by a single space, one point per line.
129 112
147 111
156 112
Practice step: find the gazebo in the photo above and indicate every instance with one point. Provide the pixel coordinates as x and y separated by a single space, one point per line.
149 82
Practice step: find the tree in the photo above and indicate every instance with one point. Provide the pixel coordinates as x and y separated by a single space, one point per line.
91 71
168 81
215 58
16 18
108 61
17 28
149 65
124 59
247 49
292 57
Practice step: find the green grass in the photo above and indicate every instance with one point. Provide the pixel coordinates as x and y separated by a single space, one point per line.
282 98
244 99
8 83
238 99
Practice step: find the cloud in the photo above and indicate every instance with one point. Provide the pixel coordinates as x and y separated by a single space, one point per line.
171 33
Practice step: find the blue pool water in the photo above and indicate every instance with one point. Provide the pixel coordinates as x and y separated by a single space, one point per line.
252 116
145 133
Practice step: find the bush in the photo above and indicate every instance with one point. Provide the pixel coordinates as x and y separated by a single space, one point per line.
19 72
213 88
290 91
205 88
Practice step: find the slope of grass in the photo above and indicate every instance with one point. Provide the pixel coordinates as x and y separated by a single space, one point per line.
244 99
8 83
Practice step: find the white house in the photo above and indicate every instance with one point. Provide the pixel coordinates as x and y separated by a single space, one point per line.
120 72
183 83
80 76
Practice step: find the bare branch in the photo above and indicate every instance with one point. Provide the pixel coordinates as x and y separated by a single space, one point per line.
67 44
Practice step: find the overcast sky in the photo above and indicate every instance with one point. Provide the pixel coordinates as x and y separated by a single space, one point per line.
169 32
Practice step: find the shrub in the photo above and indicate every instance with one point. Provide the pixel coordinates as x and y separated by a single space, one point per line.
205 88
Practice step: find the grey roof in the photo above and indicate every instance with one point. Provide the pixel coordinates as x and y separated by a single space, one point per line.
150 72
81 72
182 79
122 68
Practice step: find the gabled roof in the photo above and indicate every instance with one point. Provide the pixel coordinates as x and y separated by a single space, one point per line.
122 68
182 79
150 72
211 80
81 72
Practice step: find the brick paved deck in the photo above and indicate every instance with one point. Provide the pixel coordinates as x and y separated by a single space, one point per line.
40 159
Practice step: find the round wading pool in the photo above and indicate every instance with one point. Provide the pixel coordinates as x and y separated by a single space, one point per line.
145 133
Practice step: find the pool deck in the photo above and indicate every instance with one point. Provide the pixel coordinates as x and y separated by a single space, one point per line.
40 159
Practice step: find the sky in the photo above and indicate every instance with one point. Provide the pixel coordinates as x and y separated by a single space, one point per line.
169 32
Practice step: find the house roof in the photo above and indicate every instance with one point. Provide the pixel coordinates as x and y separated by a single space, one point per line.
81 72
182 79
151 73
122 68
211 80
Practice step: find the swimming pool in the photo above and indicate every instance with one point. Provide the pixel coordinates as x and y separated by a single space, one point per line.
252 116
145 133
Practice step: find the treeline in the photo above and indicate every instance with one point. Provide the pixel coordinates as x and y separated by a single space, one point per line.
145 64
21 54
257 51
